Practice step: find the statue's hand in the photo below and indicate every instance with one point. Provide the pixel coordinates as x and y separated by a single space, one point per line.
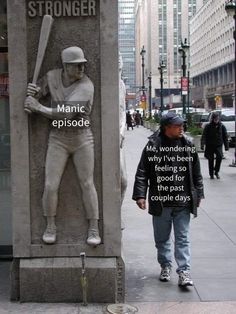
31 104
32 90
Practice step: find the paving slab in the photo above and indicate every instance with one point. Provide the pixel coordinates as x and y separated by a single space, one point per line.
214 268
213 249
144 286
216 289
187 307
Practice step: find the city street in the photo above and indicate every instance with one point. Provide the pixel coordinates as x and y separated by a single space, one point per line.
213 235
74 75
213 252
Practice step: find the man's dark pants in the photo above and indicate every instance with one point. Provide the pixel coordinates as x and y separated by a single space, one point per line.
211 153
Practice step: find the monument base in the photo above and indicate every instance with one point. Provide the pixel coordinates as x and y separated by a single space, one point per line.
60 280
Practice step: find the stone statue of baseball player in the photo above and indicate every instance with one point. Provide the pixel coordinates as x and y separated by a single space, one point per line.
69 85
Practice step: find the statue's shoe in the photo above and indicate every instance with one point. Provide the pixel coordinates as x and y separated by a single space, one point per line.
93 237
50 235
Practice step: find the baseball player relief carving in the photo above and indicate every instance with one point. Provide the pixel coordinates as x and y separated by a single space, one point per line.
71 94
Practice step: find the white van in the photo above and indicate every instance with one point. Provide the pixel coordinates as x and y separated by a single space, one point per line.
179 111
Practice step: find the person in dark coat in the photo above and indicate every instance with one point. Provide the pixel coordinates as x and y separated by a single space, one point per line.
129 121
213 137
137 118
169 169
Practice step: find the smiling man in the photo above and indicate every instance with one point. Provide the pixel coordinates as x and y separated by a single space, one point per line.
170 169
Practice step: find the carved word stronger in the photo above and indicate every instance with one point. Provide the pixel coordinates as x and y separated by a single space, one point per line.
62 8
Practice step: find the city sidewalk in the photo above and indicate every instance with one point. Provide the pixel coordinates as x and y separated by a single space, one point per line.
213 235
213 253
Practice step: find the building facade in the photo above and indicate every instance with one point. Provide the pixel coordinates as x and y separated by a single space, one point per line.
127 42
161 25
212 56
5 171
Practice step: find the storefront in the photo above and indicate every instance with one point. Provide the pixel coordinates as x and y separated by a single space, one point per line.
5 170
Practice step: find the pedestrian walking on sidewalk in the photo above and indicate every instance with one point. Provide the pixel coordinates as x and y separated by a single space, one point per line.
129 121
169 167
213 137
137 118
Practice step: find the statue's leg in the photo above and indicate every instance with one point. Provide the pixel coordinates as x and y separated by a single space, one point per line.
84 163
55 164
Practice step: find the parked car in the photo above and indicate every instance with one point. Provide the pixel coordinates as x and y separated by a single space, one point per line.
179 111
227 117
199 118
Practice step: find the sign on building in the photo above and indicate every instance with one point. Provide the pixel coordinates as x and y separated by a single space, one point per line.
184 85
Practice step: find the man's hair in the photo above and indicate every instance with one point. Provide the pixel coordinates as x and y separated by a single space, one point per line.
215 115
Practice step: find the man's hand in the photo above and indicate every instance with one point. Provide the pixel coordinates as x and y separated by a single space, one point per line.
32 90
31 104
141 202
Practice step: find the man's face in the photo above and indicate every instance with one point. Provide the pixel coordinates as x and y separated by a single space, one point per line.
174 131
216 119
75 71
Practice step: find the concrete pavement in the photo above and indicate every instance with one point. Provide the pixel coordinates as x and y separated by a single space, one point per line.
213 236
213 252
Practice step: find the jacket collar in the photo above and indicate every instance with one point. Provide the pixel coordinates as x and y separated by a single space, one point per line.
155 139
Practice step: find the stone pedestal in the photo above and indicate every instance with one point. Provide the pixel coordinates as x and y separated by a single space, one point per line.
91 25
59 279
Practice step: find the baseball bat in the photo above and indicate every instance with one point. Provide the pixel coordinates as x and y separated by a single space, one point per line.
42 45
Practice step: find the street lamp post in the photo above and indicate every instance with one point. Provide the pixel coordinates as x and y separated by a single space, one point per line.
142 53
230 7
161 69
150 94
183 49
188 96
